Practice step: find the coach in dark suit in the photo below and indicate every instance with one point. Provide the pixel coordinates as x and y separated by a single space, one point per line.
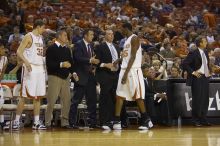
107 76
86 86
197 66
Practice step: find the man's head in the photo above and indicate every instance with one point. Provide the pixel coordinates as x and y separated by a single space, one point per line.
61 36
12 58
30 19
148 71
18 18
39 26
201 42
88 35
126 28
217 52
16 30
167 46
109 35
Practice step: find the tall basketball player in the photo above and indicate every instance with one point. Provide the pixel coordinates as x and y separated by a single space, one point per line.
131 82
33 84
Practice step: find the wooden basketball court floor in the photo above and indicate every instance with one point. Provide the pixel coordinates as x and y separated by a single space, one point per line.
159 136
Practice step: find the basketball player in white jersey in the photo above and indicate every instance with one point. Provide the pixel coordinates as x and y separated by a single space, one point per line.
33 82
3 65
131 83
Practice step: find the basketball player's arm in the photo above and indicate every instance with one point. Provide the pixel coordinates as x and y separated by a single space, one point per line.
26 43
3 70
135 43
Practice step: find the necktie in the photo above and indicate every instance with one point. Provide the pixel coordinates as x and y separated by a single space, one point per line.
204 62
89 50
113 53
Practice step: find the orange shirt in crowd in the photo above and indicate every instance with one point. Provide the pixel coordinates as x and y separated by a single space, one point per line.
210 19
22 5
3 21
33 5
180 47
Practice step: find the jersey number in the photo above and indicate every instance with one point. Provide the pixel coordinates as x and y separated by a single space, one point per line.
40 52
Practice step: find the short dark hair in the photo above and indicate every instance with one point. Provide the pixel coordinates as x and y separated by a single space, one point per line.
38 22
198 40
60 31
86 31
145 66
127 25
174 66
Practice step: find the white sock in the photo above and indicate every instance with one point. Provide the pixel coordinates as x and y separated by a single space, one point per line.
17 118
2 119
36 118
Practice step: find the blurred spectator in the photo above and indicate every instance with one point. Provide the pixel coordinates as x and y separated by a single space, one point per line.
217 56
215 68
167 52
156 8
180 46
30 23
174 72
3 20
210 19
35 4
160 70
76 35
16 36
179 3
46 8
15 39
12 62
17 21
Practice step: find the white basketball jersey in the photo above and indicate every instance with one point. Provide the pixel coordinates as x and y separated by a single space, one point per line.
138 59
34 54
3 61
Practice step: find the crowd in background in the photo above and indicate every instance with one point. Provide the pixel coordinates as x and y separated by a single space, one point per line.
164 45
172 41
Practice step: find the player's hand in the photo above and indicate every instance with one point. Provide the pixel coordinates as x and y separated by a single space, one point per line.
28 66
66 64
124 79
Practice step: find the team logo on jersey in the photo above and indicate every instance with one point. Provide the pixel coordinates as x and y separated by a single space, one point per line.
127 46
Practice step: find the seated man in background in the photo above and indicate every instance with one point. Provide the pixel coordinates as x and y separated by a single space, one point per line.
156 103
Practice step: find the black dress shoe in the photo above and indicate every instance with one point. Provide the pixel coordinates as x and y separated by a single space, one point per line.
67 127
49 127
197 124
92 126
205 123
75 127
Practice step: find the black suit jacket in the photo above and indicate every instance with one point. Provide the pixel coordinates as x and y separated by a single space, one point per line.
149 91
104 55
192 63
81 59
